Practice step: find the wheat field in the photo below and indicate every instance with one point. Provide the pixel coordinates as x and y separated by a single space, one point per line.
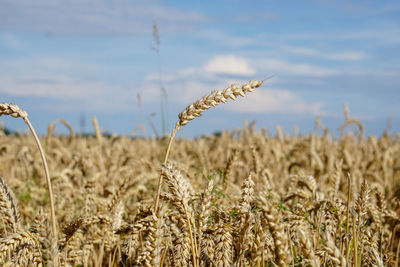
240 198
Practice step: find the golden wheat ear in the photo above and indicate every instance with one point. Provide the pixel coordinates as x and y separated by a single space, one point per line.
196 110
8 207
14 111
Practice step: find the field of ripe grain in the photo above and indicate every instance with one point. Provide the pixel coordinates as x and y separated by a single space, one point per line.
241 198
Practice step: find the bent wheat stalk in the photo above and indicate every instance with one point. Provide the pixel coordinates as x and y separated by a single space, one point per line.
16 112
350 121
196 110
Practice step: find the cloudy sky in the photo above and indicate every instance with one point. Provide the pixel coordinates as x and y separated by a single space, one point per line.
73 59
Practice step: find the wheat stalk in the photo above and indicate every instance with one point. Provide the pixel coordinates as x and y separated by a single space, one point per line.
99 136
349 121
52 126
16 112
196 110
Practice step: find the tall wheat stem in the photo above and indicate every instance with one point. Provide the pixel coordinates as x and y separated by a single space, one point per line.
15 111
196 110
46 170
165 161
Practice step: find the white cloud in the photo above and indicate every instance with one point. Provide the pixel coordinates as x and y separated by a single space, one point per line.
285 67
262 100
43 66
347 56
62 80
306 51
57 80
217 37
50 80
94 16
386 34
56 87
186 86
221 65
340 56
229 64
275 101
255 17
63 93
10 40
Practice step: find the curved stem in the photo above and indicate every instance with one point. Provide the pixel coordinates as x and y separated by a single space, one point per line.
160 179
170 142
46 170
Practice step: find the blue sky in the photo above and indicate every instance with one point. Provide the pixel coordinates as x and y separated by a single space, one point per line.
79 58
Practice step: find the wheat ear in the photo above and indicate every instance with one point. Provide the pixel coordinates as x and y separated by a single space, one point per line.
16 112
180 190
272 219
196 110
8 206
10 244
